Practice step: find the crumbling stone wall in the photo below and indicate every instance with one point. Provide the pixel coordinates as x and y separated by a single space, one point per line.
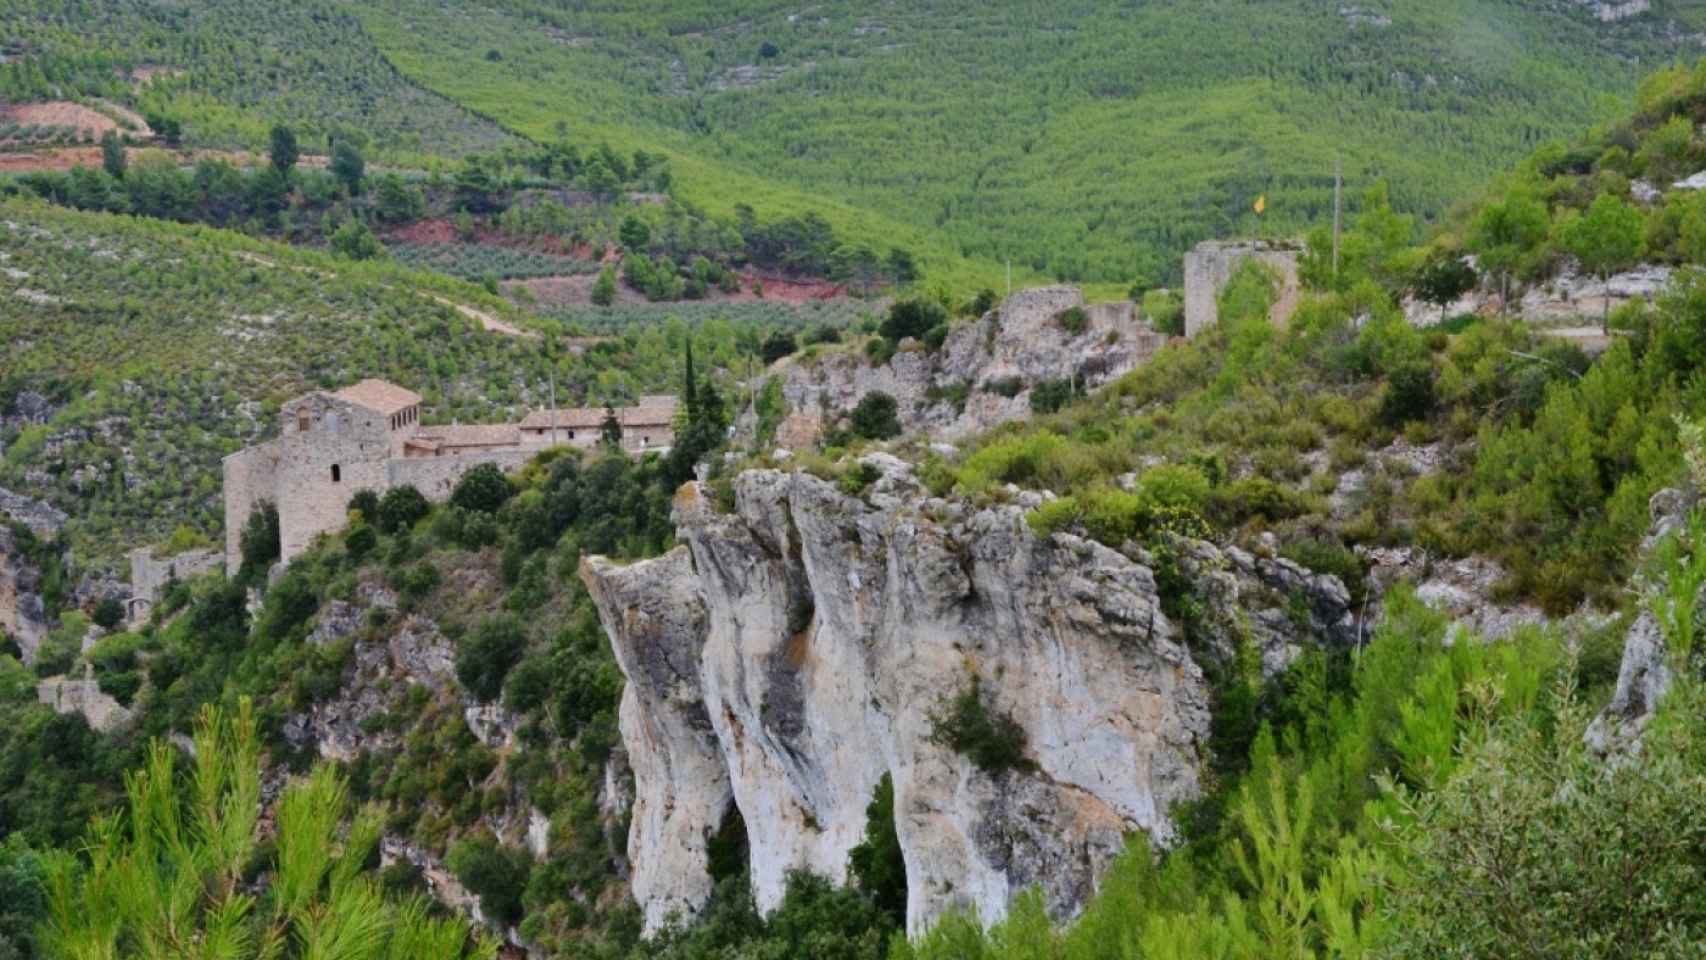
435 477
84 697
1211 264
149 574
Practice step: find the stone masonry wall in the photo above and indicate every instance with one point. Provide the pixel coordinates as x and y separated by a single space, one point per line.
250 476
312 498
435 477
1210 265
150 574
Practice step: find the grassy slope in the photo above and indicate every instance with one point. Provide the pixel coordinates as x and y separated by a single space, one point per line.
1093 141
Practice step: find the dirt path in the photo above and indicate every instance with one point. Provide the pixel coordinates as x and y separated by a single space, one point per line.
487 321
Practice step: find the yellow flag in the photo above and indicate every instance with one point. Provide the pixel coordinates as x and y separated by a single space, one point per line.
1261 203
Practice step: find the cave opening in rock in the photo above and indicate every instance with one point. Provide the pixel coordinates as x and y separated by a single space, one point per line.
876 864
727 853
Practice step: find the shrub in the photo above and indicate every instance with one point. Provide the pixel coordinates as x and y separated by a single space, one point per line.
495 873
879 351
401 508
1251 497
823 333
1073 320
1008 387
359 541
779 344
875 417
355 241
1323 556
1038 459
419 581
855 480
991 739
912 318
1538 848
1409 394
482 489
1166 312
288 605
108 614
486 657
366 503
1050 395
259 542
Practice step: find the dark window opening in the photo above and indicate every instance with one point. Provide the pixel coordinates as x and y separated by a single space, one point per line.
337 474
302 421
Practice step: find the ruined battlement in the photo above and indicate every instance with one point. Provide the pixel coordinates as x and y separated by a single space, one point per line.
1210 265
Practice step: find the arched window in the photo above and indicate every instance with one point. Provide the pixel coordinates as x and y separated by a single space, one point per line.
337 474
302 420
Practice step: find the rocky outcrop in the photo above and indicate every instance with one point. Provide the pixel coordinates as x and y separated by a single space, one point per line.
1278 604
1642 681
414 653
84 698
22 613
794 651
23 616
43 519
1611 11
1644 676
657 624
1571 295
983 373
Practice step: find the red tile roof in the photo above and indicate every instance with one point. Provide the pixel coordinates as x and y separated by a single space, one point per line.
654 411
379 396
468 435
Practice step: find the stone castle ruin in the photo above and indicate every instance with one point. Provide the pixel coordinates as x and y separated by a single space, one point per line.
369 436
150 575
1210 265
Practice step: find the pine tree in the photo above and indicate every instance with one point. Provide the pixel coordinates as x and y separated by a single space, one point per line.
169 878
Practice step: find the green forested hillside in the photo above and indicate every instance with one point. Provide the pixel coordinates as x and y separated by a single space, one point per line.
228 70
1090 140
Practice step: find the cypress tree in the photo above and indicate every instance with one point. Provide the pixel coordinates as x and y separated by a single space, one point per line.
690 391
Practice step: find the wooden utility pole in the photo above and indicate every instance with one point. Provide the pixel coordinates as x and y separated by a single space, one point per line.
1338 178
1009 276
553 407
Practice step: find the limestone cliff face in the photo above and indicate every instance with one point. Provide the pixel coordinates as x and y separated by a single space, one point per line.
1017 345
794 651
22 613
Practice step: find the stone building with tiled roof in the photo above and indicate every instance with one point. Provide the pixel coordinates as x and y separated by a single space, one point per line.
368 436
